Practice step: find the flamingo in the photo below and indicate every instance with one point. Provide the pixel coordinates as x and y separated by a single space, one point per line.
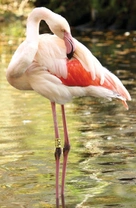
59 67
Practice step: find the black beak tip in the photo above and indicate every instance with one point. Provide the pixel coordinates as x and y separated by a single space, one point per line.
70 55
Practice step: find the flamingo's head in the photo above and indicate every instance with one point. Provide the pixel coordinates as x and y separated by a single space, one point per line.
60 27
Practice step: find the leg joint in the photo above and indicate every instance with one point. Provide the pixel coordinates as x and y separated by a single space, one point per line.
66 149
57 153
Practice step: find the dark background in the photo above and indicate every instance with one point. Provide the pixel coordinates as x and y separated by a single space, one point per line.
97 14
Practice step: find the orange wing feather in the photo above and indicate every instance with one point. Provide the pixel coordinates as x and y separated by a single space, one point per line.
78 76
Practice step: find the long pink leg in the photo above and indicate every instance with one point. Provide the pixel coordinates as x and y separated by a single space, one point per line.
57 151
65 150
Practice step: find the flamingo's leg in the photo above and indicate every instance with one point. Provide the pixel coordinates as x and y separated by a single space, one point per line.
57 151
65 150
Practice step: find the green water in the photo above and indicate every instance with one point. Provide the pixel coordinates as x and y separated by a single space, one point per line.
102 161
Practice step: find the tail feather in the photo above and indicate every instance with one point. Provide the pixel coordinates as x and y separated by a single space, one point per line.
100 76
116 85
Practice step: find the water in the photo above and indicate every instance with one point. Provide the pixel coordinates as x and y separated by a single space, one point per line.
102 163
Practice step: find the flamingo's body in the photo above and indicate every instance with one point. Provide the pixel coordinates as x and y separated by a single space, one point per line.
40 63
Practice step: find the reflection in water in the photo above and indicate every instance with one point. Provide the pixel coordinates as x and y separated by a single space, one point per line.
102 165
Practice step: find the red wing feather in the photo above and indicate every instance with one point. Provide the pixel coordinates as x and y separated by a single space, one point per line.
78 76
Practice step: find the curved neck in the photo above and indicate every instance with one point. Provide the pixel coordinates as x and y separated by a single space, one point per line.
33 22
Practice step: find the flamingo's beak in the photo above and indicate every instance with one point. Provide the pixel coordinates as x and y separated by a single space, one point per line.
70 46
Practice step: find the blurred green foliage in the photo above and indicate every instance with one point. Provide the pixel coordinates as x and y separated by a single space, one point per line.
97 14
74 11
113 14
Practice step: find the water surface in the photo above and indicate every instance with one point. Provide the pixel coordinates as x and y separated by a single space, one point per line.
102 162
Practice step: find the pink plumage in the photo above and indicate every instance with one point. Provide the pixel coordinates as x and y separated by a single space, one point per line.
59 68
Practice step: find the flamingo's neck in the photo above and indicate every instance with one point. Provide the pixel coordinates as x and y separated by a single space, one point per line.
33 22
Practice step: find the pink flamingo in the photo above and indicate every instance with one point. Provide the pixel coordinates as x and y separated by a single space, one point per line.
59 67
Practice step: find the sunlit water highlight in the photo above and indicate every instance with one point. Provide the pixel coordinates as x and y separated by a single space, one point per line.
102 162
